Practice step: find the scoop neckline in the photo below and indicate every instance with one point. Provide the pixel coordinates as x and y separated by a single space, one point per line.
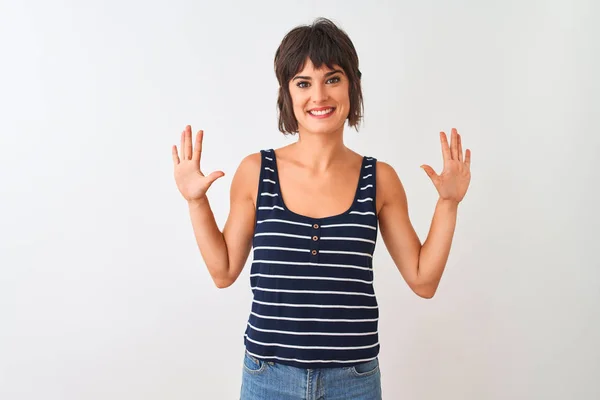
306 217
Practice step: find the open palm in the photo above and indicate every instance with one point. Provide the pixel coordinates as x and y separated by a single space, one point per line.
453 182
190 180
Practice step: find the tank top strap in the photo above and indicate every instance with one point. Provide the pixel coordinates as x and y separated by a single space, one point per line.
268 187
365 197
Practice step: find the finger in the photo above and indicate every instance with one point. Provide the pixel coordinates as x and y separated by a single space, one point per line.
460 150
198 146
454 144
184 145
430 172
445 147
213 176
468 158
188 142
181 145
174 154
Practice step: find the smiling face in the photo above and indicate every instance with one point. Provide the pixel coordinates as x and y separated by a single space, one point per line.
320 98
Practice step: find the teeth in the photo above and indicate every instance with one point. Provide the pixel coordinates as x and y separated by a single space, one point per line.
323 112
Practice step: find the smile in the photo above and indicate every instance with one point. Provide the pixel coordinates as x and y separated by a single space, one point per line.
322 112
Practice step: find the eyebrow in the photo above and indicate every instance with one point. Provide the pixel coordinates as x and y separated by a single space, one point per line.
335 71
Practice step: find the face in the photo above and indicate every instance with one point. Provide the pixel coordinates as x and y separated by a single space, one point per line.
320 98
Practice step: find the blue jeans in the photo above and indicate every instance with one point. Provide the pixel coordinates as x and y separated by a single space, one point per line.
266 380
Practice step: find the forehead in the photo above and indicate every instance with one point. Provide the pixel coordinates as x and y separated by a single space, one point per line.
310 69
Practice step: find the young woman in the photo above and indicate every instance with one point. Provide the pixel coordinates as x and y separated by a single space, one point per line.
311 211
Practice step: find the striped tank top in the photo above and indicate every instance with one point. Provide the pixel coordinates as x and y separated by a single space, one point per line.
313 304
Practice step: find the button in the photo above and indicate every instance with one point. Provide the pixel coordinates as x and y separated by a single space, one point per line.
314 252
316 226
315 238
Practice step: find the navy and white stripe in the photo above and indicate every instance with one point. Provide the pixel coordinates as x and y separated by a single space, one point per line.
313 305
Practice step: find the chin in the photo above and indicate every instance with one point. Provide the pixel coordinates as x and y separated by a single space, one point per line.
323 127
321 130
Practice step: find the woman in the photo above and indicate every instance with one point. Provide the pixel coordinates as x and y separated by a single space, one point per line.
311 212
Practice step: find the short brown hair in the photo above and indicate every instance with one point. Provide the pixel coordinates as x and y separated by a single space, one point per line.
324 43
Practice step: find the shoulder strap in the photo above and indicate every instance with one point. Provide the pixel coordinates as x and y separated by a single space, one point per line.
367 186
268 187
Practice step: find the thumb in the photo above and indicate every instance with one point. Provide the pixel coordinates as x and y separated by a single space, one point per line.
213 176
429 171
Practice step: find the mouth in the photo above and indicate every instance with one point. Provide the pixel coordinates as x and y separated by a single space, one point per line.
321 112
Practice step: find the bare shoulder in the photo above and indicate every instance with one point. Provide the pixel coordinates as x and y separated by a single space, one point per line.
250 163
385 171
389 186
245 181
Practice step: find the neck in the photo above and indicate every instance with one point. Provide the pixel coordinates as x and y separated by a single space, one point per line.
320 150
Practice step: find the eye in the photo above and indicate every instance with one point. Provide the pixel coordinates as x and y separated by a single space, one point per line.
305 84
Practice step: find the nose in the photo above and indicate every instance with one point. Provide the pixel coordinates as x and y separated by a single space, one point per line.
319 93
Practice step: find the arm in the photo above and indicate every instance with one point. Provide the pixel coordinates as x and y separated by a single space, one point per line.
225 253
422 266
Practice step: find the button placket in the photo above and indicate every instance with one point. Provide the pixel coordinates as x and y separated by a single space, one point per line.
314 242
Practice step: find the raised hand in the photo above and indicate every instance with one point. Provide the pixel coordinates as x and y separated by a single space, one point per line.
453 182
190 180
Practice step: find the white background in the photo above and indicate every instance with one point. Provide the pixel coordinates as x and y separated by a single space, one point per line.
103 293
